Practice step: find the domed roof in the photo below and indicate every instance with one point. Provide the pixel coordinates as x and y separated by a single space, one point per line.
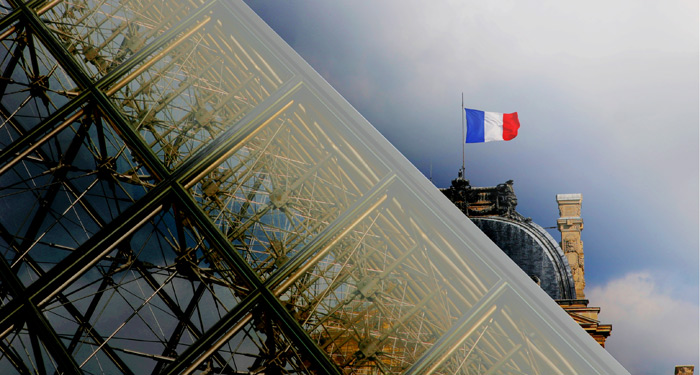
534 250
529 245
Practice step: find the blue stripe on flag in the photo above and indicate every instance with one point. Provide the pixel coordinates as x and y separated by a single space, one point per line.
475 126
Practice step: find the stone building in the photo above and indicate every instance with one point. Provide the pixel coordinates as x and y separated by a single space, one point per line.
557 267
684 370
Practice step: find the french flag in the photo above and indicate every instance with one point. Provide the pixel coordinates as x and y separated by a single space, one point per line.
491 126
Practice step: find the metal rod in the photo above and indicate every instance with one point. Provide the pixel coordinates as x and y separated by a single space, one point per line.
293 269
453 339
47 6
16 14
463 115
156 58
503 360
239 143
96 258
41 140
221 341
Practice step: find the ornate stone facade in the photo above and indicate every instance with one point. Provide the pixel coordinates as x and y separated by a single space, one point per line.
492 209
587 318
684 370
570 225
499 200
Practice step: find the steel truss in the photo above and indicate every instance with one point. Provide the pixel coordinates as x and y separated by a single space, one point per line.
178 198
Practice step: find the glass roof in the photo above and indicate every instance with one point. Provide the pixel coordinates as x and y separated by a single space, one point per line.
182 193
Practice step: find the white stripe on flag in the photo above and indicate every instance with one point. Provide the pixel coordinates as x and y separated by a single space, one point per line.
493 126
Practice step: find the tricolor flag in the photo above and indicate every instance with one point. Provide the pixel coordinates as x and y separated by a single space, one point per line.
491 126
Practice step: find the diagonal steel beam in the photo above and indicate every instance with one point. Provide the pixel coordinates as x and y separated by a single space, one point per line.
182 324
324 241
8 19
214 337
14 359
460 332
227 143
41 133
89 253
288 273
237 318
54 188
183 317
36 321
83 321
94 91
14 59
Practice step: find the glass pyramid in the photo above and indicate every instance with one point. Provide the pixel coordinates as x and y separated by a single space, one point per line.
182 194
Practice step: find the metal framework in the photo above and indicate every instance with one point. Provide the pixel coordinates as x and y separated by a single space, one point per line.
181 194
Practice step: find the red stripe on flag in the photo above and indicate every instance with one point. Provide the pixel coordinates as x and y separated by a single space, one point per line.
511 124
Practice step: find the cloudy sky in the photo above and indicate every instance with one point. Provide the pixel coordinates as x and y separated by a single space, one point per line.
607 95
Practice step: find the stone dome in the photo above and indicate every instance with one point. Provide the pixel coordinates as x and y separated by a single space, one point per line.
534 250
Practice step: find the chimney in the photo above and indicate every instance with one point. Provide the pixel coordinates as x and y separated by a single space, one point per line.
570 225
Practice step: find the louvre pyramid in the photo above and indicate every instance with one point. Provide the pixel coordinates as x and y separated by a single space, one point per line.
182 193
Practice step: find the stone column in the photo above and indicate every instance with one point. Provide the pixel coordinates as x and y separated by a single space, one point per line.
570 225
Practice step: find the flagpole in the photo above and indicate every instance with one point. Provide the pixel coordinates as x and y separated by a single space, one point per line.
461 111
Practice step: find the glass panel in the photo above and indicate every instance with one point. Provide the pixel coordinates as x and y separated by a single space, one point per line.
203 86
33 84
383 293
5 7
259 347
103 33
147 300
57 197
294 175
22 352
511 339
